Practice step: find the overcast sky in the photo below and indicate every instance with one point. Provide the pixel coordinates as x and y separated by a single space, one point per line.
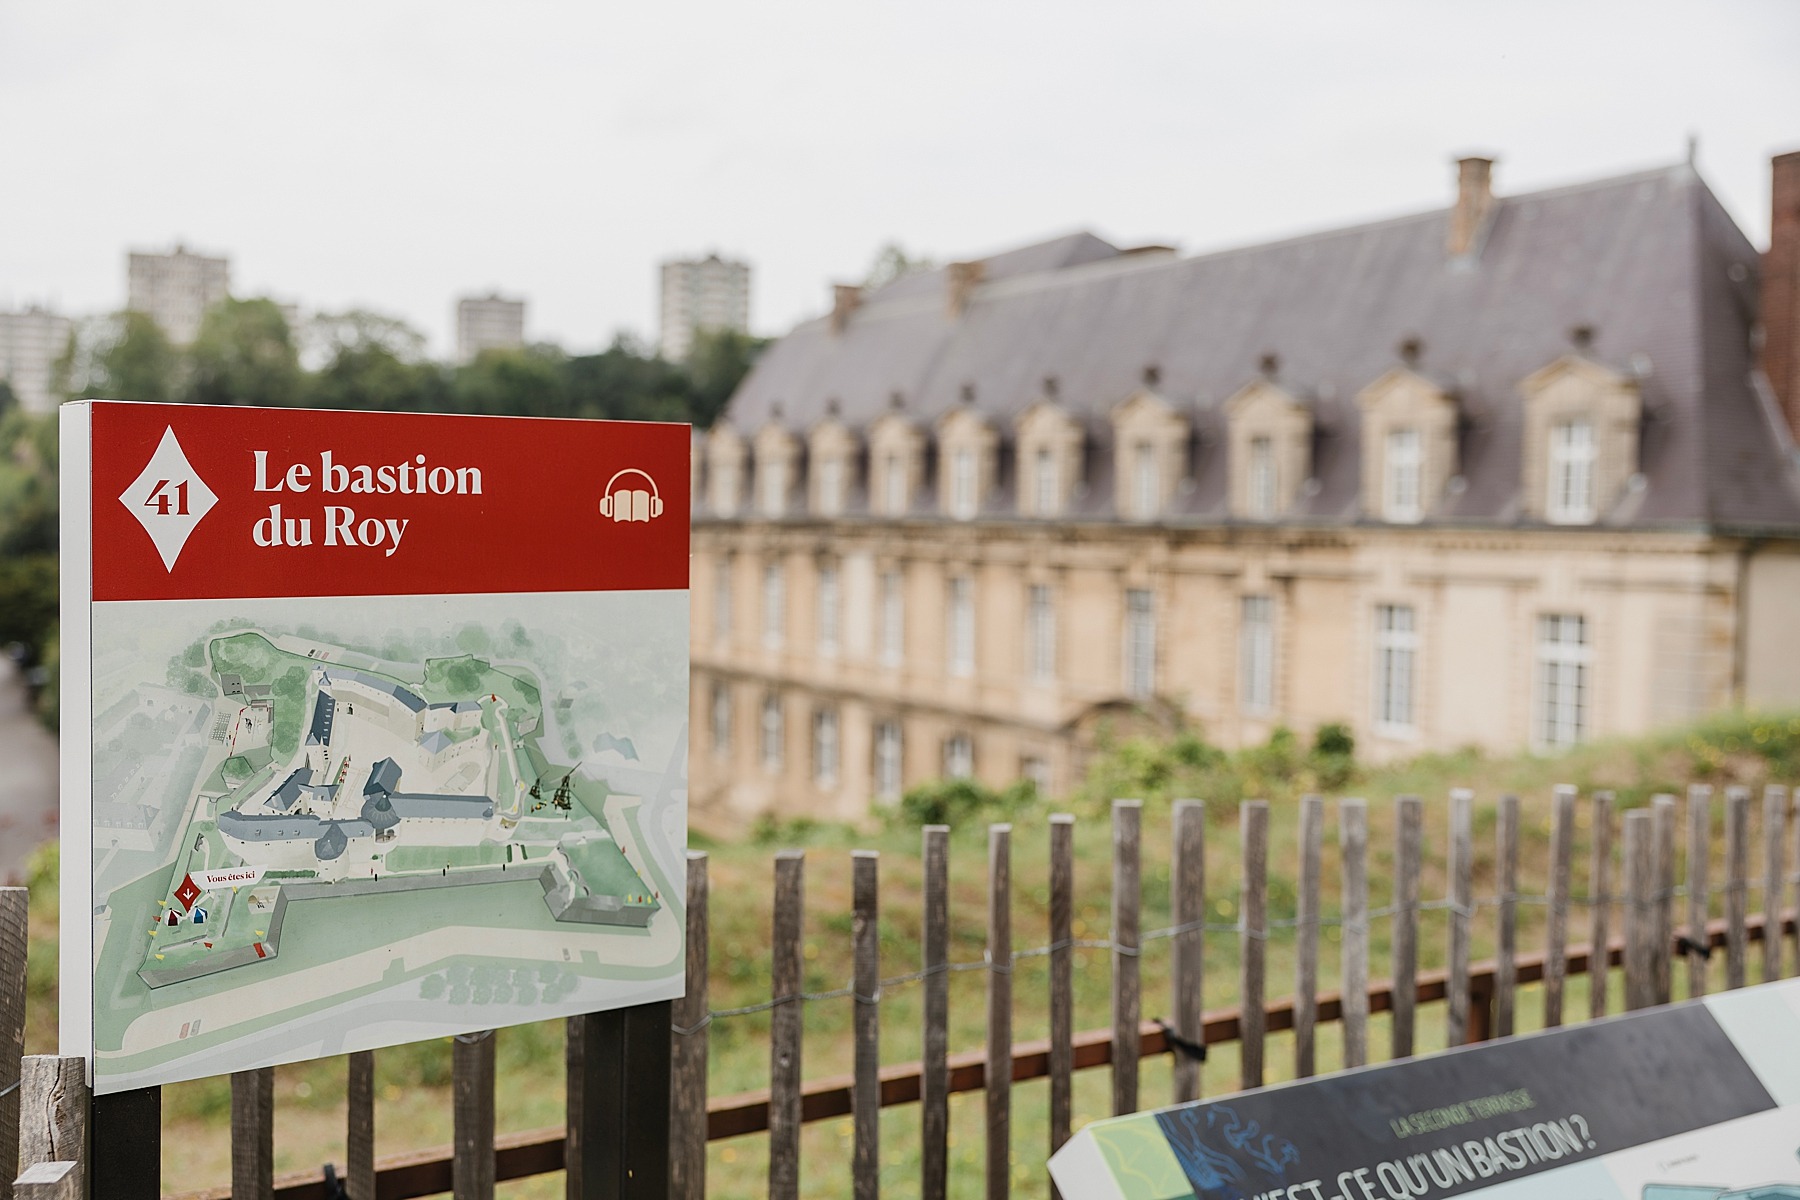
394 155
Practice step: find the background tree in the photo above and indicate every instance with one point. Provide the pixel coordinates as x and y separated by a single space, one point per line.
125 356
718 362
526 382
891 262
371 361
243 354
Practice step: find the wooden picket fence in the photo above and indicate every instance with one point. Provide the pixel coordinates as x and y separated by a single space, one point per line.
43 1100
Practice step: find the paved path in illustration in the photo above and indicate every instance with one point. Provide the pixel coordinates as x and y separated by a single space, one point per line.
28 775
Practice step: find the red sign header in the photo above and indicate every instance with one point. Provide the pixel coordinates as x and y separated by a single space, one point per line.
202 502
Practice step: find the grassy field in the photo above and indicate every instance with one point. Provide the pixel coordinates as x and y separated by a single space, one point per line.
413 1081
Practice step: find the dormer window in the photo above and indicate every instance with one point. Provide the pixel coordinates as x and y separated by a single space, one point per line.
832 454
725 470
1049 457
1146 484
893 486
774 488
1045 499
1270 433
1571 473
962 483
1262 478
1582 424
778 460
1410 449
1150 440
967 447
896 465
831 487
1402 467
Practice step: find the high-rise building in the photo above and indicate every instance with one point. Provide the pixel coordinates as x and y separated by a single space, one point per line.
1504 474
697 294
30 343
488 322
176 289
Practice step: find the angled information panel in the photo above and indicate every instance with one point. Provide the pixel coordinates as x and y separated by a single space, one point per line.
1697 1101
374 729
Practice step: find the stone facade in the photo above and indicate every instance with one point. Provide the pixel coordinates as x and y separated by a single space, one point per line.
1712 621
1081 492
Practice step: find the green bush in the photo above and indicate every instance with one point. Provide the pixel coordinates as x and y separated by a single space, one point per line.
1185 765
957 801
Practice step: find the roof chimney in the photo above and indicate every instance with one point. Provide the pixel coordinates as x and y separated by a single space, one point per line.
1781 290
845 297
963 276
1474 200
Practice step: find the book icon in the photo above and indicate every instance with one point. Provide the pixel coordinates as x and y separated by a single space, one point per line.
623 502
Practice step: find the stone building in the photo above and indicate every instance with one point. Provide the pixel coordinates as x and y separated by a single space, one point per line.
176 289
1507 474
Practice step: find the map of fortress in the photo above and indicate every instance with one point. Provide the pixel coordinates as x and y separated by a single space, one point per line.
325 780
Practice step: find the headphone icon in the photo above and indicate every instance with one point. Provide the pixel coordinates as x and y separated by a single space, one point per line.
633 504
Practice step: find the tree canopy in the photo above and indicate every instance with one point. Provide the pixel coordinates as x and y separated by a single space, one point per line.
246 354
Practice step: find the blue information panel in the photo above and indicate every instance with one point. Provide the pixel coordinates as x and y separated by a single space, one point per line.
1696 1101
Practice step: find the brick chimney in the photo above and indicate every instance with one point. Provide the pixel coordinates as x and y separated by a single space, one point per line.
1781 289
963 276
1474 201
845 297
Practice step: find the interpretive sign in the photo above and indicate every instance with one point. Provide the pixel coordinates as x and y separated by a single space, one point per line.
1699 1101
374 729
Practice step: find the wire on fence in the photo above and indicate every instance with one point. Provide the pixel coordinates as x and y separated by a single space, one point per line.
1680 891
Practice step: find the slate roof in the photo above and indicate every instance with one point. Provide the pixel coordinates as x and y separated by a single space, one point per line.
1649 262
406 697
319 734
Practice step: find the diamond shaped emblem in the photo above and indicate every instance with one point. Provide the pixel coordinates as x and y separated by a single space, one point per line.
168 498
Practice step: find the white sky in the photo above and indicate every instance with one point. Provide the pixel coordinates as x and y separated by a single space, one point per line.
394 155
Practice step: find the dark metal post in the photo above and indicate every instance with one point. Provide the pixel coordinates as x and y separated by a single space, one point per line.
627 1054
125 1133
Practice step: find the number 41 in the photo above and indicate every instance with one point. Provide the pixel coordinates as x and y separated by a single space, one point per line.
159 499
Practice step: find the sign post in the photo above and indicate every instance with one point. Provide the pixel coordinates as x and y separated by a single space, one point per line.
431 669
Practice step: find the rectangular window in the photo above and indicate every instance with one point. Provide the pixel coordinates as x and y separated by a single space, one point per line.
825 747
962 626
1036 770
962 483
831 486
1562 683
1572 453
774 487
1396 649
722 572
1402 486
1256 654
1040 635
1146 487
828 612
771 732
959 756
893 618
774 606
725 488
893 484
1046 495
1262 478
888 777
721 717
1140 644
